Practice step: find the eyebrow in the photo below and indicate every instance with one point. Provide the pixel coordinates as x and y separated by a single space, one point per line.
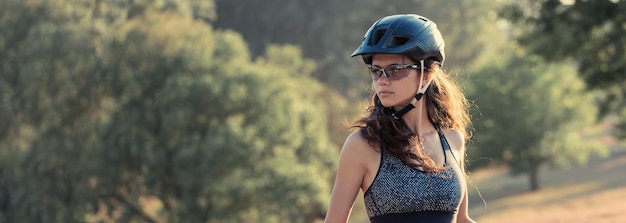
387 65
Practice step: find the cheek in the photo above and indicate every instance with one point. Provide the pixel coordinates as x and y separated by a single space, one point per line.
411 84
409 91
406 90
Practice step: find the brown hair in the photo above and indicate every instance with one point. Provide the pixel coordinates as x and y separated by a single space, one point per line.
447 108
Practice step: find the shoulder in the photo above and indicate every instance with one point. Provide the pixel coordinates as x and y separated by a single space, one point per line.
355 142
357 149
355 139
455 138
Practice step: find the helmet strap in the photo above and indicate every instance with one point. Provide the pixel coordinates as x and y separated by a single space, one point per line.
418 95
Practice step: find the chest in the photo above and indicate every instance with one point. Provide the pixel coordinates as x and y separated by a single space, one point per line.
399 188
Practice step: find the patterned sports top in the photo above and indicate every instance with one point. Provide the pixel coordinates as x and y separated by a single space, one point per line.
400 193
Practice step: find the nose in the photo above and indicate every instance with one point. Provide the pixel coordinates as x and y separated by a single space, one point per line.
383 80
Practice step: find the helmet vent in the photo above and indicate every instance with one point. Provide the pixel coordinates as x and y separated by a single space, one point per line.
377 36
397 41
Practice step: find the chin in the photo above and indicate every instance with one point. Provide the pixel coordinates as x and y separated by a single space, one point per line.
394 103
388 103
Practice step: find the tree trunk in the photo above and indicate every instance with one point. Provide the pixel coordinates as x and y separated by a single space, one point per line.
533 179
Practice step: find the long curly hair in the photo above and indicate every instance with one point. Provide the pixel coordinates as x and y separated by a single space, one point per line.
447 108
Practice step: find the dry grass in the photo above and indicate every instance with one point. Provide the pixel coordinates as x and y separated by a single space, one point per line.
593 193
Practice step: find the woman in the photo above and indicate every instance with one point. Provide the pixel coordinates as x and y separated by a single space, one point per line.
407 155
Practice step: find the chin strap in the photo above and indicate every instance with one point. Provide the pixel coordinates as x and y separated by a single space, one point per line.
420 93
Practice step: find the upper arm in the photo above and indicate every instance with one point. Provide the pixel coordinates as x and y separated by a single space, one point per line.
457 143
350 172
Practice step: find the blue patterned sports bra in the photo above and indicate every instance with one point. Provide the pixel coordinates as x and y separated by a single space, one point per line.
400 193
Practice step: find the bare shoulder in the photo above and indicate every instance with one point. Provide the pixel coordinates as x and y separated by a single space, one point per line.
355 138
455 139
357 148
356 143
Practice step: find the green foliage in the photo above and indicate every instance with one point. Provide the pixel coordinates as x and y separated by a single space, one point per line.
590 32
328 31
140 112
530 113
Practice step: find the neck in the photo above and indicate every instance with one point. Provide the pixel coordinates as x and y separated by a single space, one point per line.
417 119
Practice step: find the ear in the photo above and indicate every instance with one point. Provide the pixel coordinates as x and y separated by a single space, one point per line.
427 75
432 73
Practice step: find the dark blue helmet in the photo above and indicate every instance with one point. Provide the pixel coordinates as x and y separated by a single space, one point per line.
409 34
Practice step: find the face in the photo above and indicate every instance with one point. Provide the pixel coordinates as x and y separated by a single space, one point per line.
400 88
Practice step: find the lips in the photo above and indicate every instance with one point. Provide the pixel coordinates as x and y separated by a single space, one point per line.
384 93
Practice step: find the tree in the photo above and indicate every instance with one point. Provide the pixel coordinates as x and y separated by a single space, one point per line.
141 112
589 32
529 114
328 31
245 127
45 99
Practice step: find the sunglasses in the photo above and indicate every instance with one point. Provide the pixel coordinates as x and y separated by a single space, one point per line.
391 72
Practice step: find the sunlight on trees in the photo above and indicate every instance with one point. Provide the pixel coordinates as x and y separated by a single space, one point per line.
155 117
529 114
219 111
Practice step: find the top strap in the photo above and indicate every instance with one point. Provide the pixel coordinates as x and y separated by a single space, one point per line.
446 147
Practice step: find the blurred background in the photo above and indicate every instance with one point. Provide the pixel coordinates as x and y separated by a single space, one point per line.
236 110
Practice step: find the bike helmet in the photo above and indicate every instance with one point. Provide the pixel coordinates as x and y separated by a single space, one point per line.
408 34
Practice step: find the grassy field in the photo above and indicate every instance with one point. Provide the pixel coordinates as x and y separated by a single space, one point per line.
592 193
595 193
